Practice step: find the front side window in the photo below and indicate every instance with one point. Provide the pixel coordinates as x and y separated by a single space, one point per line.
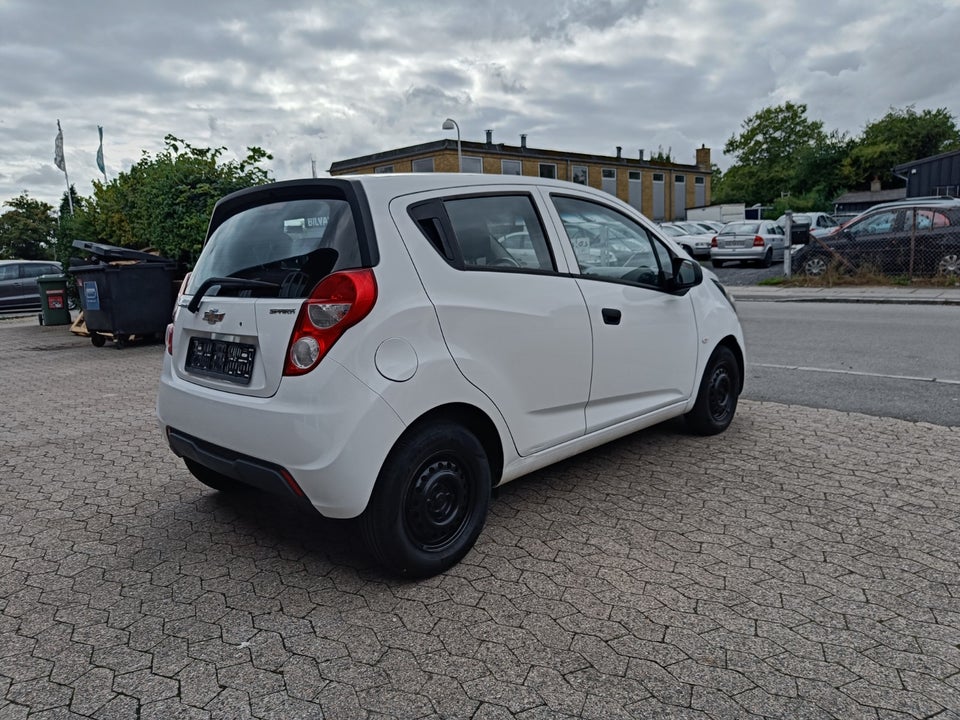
292 245
609 245
880 222
501 232
423 165
9 272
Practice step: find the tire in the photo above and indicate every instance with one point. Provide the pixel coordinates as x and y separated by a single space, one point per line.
767 259
212 479
718 394
430 501
98 340
949 265
815 266
717 263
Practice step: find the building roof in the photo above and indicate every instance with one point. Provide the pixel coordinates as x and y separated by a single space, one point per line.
502 150
923 161
871 196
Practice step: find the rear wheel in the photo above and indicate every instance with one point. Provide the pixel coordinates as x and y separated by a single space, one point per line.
949 264
210 478
430 501
767 259
718 394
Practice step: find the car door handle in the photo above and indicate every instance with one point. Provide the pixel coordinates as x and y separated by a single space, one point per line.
611 316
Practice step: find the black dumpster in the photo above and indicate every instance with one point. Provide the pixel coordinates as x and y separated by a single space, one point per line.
124 293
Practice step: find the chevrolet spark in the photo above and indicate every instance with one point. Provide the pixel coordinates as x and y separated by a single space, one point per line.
392 347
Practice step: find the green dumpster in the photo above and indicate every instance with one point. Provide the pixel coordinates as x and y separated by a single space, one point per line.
54 307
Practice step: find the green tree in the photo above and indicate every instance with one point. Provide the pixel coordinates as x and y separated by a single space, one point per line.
898 137
28 229
767 151
164 201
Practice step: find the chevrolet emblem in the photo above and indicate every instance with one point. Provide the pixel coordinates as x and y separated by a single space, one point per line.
213 316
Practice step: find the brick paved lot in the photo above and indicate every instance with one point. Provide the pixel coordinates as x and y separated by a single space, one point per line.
660 576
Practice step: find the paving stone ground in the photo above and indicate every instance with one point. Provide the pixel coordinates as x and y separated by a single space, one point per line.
806 564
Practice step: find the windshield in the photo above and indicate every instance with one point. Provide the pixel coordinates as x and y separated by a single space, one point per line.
292 244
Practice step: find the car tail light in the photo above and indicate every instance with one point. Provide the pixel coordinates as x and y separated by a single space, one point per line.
176 307
758 241
713 241
339 302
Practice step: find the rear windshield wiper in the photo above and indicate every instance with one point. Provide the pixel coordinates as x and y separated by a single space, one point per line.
224 282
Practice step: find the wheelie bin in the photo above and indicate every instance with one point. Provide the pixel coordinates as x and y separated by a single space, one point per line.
124 293
54 304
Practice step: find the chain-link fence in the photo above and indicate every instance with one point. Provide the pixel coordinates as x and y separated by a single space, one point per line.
895 243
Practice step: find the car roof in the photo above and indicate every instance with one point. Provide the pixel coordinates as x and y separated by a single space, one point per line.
32 262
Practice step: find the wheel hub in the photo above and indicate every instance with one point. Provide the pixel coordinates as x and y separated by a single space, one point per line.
436 506
720 393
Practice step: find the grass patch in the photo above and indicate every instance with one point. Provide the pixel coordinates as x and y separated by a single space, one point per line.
837 275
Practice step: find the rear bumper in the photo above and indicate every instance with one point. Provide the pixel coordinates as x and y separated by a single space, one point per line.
747 253
328 430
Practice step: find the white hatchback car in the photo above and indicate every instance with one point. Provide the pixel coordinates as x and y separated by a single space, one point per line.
368 346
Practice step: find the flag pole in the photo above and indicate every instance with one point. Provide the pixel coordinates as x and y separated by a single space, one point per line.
61 162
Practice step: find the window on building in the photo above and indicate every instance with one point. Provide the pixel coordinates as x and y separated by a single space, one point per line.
423 165
679 179
609 173
698 180
471 164
635 175
510 167
548 170
384 169
578 173
658 177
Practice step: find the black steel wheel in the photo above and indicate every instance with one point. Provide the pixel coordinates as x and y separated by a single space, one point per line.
430 501
717 397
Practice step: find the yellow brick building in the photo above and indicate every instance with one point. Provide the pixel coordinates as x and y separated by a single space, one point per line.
660 190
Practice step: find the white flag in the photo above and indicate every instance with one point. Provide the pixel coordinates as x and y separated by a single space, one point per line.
58 159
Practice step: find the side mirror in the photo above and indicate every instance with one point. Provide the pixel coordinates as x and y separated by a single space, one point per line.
686 274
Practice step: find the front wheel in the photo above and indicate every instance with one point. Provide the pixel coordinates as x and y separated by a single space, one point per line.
430 501
718 394
815 266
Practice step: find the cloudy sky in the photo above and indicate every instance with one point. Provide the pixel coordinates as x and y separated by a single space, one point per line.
332 79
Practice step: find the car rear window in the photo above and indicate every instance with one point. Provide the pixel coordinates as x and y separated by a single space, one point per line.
293 244
741 229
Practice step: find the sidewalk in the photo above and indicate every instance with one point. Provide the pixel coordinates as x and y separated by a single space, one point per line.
878 295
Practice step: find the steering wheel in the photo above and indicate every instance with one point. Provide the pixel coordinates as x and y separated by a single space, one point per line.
505 262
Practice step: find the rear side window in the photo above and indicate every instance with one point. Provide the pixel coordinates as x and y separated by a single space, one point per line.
292 244
489 232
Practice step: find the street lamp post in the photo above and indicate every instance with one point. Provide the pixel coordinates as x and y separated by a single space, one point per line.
450 124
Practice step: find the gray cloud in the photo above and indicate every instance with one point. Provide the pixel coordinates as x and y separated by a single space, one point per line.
328 80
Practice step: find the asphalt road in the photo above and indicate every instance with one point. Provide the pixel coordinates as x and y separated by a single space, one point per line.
899 361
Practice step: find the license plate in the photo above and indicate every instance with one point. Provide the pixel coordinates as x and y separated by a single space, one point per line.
733 243
226 360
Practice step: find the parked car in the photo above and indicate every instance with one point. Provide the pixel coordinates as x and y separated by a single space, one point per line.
18 282
886 238
694 244
709 226
760 242
393 361
817 224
